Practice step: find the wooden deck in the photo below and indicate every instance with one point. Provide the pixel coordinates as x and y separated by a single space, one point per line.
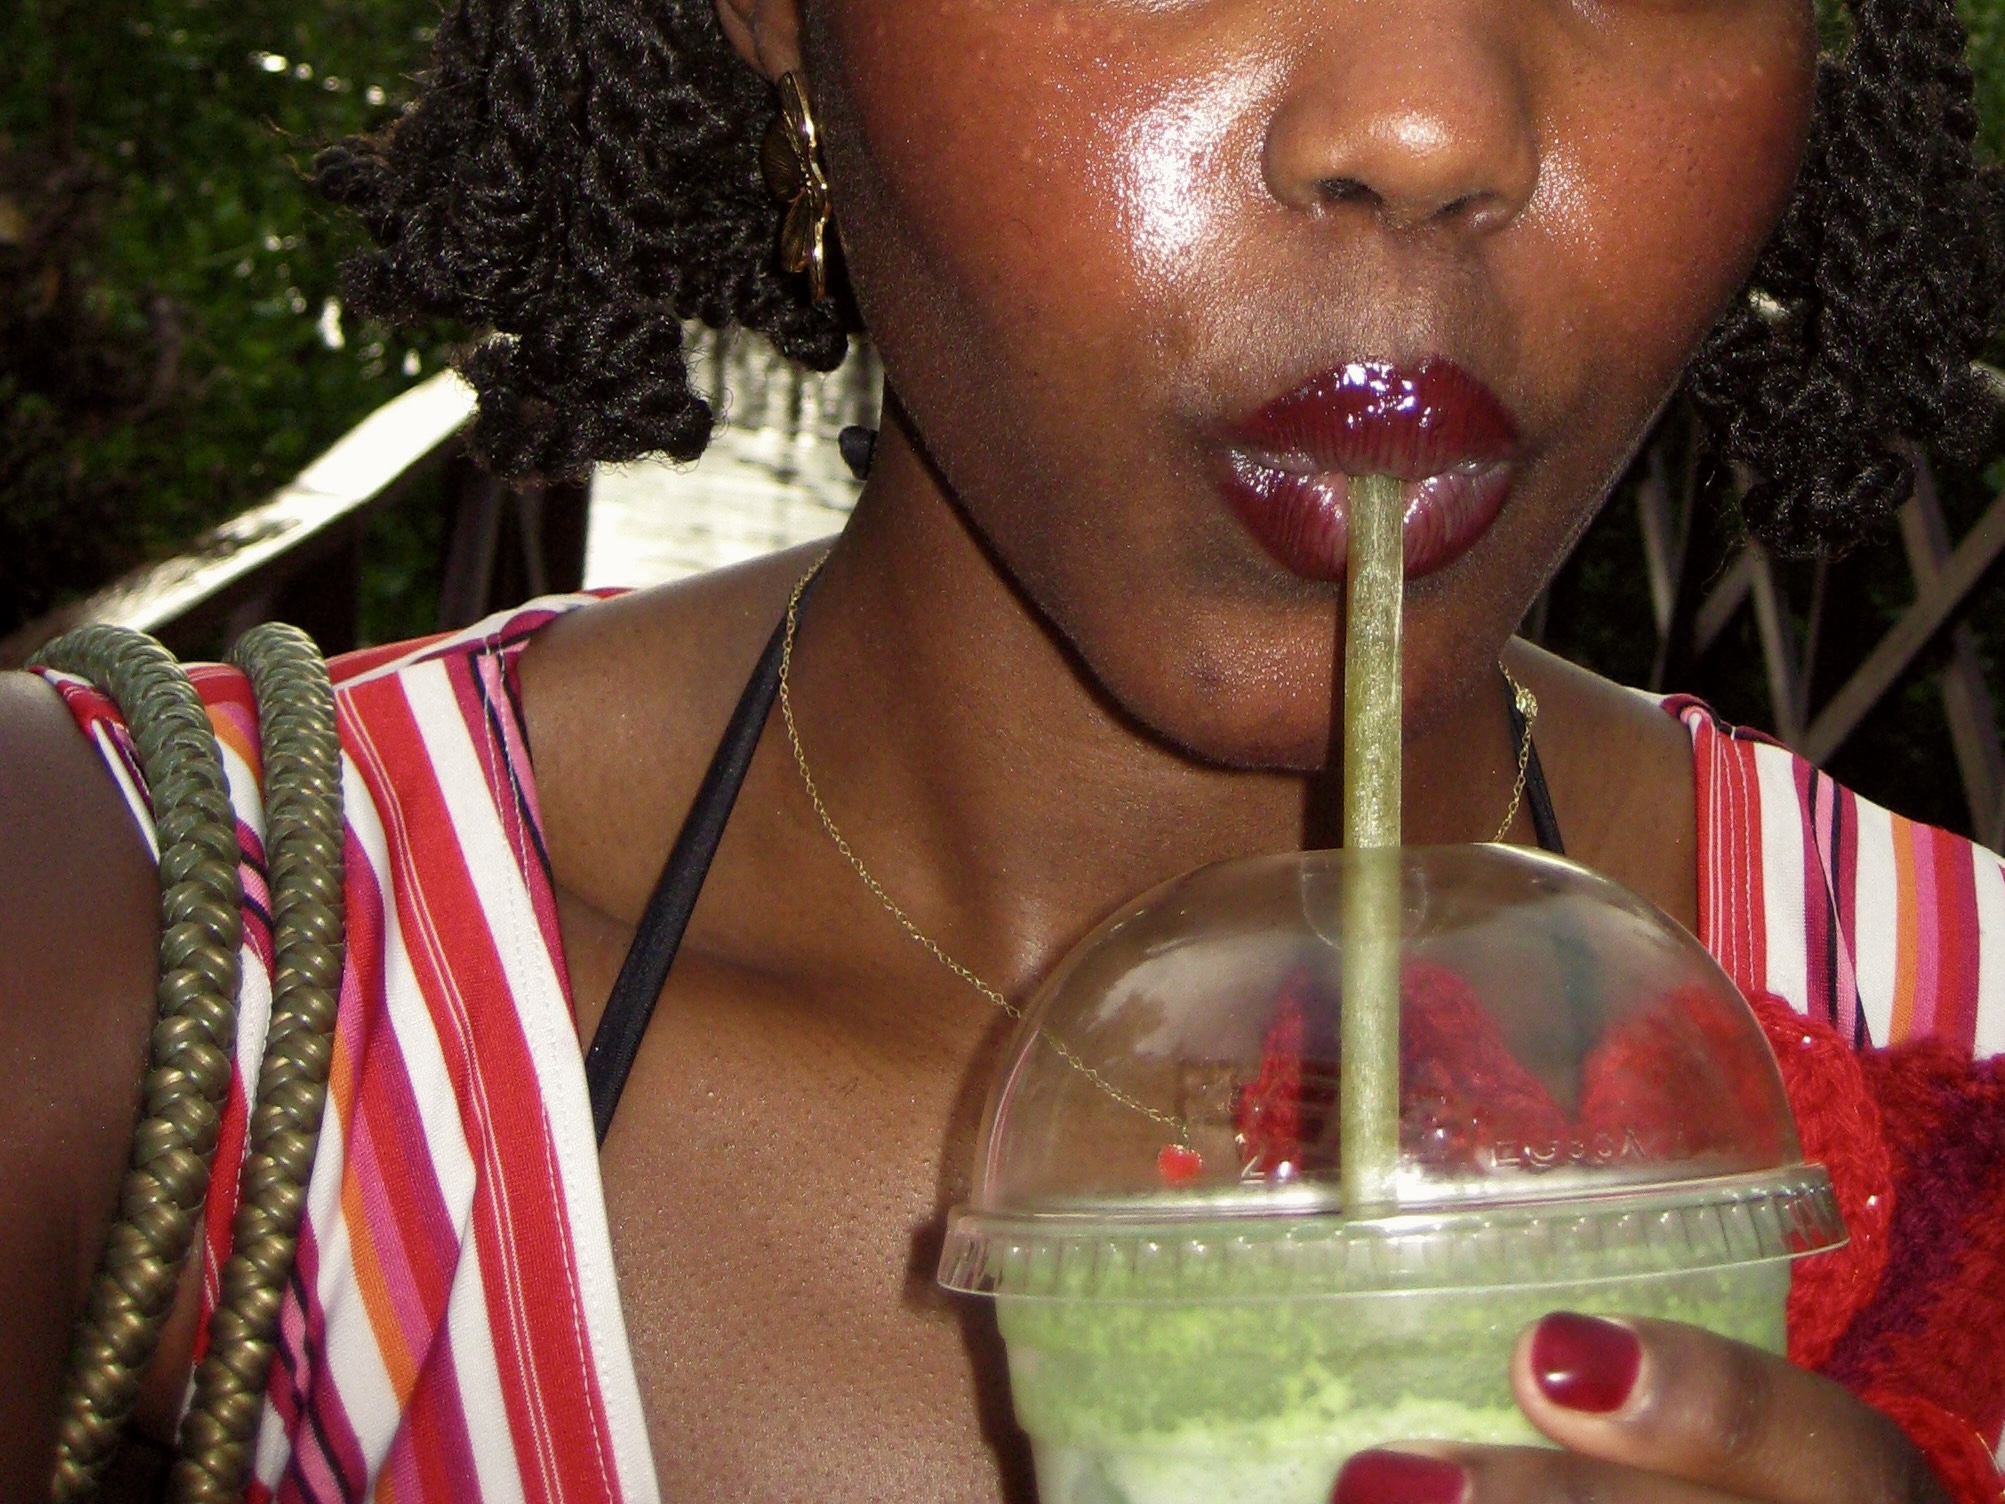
771 478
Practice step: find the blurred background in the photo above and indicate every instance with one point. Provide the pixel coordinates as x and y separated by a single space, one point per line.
194 434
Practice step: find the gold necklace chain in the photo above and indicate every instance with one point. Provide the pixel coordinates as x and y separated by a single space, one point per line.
1527 706
1071 1057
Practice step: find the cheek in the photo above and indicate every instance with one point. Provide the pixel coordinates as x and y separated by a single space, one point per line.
1186 164
960 158
1034 172
1665 183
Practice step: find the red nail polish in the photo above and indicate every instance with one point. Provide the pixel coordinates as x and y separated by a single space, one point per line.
1398 1478
1585 1363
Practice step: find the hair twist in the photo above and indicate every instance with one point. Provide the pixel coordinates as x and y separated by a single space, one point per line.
579 177
1876 293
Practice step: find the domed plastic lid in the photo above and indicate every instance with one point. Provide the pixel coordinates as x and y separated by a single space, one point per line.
1584 1094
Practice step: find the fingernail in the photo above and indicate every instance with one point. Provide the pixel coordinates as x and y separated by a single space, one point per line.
1398 1478
1585 1363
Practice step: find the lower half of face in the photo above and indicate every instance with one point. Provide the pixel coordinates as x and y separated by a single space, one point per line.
1152 277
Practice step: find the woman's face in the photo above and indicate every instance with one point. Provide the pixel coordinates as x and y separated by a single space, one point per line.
1099 241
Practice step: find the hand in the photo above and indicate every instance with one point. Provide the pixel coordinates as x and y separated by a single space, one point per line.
1652 1412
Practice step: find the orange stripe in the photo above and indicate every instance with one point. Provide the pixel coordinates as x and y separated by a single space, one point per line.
1907 931
374 1287
232 734
370 1280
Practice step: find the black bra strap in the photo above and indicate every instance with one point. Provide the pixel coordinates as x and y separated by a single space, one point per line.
1544 821
616 1041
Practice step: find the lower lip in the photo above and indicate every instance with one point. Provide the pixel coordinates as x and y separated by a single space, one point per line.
1303 520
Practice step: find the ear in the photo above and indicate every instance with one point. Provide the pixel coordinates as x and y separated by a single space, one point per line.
766 33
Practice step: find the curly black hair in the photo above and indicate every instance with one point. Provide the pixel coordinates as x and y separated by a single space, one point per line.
579 177
582 176
1881 287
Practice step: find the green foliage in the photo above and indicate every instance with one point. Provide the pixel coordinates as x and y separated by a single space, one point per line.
170 343
1986 21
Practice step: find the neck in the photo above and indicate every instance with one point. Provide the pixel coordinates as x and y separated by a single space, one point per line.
998 795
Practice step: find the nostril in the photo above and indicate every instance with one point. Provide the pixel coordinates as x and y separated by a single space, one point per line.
1478 213
1346 191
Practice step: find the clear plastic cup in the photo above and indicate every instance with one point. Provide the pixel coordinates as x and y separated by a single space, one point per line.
1590 1120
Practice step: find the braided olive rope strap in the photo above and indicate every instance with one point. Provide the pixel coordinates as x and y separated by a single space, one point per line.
188 1076
303 835
302 758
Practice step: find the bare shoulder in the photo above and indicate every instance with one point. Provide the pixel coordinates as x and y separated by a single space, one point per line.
625 702
78 934
1621 777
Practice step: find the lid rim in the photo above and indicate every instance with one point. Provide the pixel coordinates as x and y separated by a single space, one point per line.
1717 1223
1315 1205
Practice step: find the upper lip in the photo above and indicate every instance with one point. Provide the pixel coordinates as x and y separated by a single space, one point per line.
1376 418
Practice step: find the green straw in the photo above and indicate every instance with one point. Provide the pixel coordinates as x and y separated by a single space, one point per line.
1369 1099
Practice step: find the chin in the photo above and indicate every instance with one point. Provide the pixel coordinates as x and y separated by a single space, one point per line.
1245 712
1252 688
1235 745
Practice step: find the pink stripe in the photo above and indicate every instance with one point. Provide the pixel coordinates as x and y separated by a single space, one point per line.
407 1224
1961 940
1845 892
1837 885
327 1461
547 1380
233 1132
376 1176
1928 946
432 1457
481 690
1845 875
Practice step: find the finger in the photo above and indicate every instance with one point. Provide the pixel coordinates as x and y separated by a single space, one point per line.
1446 1474
1679 1401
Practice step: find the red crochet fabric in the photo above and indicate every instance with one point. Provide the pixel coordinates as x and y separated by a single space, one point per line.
1840 1128
1911 1315
1960 1457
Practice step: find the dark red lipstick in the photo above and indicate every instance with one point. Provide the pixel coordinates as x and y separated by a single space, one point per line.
1286 470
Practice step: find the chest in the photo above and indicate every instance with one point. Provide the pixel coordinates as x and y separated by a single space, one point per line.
777 1181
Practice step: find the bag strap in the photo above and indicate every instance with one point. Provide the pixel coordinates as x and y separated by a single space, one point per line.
303 847
189 1076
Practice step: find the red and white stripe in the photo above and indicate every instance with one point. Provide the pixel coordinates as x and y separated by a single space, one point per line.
454 1331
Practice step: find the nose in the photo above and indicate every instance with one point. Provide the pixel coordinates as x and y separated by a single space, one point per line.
1417 112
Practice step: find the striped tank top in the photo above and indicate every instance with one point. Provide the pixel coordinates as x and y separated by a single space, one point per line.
453 1330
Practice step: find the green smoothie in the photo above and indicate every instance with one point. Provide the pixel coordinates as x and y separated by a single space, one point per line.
1260 1401
1207 1298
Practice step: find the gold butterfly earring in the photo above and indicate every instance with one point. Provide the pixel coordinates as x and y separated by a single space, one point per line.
791 157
